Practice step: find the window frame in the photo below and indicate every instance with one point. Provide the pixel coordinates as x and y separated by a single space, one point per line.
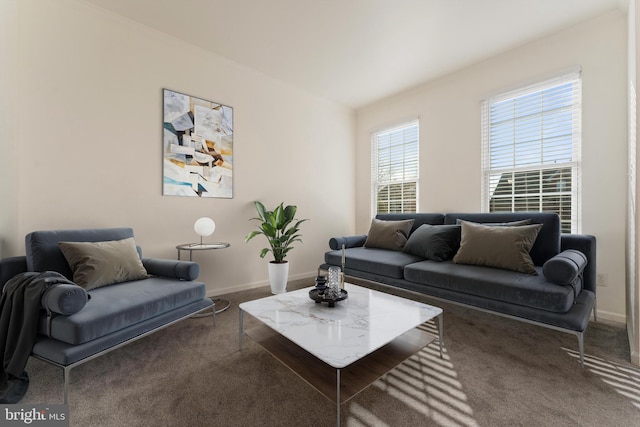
575 164
375 162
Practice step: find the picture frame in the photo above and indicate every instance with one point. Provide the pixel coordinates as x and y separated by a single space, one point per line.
197 147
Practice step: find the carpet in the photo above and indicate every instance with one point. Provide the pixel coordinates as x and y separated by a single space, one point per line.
495 372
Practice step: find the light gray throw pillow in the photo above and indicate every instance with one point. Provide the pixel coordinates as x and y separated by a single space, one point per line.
388 234
501 247
96 264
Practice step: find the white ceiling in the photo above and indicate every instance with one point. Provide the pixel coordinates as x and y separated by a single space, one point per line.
356 52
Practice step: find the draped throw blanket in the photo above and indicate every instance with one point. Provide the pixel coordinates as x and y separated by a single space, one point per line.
19 313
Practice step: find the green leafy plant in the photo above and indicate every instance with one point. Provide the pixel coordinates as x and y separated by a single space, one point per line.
279 228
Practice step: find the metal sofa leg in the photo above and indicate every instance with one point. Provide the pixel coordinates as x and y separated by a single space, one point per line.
595 315
66 374
581 347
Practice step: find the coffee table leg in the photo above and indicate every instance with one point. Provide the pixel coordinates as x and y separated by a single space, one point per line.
241 332
338 396
440 332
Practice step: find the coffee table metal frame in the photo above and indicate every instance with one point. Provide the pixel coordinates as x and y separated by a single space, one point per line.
338 378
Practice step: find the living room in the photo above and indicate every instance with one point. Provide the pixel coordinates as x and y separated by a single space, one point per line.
82 130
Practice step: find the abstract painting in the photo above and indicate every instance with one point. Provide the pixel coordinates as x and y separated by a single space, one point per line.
197 147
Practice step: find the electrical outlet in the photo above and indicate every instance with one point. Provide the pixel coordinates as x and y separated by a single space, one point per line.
601 279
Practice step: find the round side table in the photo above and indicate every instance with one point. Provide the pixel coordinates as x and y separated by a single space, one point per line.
219 304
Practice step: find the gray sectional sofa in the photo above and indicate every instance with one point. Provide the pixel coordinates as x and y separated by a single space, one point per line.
560 294
78 325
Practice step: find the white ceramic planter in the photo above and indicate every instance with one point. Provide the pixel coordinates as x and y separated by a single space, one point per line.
278 275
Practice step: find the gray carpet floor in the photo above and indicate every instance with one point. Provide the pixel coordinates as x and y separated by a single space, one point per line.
495 372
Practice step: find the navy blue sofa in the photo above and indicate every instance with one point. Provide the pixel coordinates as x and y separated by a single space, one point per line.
77 325
531 298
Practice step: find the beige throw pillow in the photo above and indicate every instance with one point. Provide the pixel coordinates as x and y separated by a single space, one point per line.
96 264
501 247
388 234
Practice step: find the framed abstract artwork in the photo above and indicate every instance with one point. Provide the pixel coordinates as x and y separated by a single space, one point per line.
197 147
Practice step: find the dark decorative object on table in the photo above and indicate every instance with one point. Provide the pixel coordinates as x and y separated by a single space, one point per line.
321 284
318 297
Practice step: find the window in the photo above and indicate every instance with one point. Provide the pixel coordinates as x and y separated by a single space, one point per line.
394 169
531 150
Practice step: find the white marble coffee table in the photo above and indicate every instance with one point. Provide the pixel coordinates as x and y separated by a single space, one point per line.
340 350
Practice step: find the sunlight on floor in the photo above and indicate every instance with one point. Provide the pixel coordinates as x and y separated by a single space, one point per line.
624 379
426 384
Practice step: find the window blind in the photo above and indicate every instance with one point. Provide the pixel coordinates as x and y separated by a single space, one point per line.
394 169
531 140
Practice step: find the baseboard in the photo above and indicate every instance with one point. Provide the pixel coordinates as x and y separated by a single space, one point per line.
611 317
293 279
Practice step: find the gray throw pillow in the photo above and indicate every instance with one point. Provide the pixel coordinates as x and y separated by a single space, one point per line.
388 234
434 242
500 224
96 264
501 247
564 268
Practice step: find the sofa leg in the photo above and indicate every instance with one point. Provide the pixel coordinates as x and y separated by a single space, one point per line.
581 347
66 374
595 315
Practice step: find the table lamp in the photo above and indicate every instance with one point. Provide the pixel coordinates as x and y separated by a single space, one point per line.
204 227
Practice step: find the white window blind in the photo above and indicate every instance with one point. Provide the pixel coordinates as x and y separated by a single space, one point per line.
394 169
531 141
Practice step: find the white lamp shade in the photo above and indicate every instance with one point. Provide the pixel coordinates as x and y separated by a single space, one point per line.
204 226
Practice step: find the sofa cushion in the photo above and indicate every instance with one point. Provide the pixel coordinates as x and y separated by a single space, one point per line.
43 253
547 243
378 261
495 284
565 267
501 247
435 242
388 234
96 264
118 306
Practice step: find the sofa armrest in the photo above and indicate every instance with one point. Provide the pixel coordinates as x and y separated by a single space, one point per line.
183 270
64 298
587 245
564 268
10 267
348 242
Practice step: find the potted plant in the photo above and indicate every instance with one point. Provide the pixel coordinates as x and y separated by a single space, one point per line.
281 230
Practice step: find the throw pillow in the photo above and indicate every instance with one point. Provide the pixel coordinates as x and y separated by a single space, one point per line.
501 247
96 264
434 242
564 268
500 224
388 234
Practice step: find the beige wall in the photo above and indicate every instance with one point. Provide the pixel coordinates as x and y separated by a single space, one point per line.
90 87
449 112
8 127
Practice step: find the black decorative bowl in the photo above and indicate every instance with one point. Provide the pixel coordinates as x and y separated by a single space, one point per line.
318 297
